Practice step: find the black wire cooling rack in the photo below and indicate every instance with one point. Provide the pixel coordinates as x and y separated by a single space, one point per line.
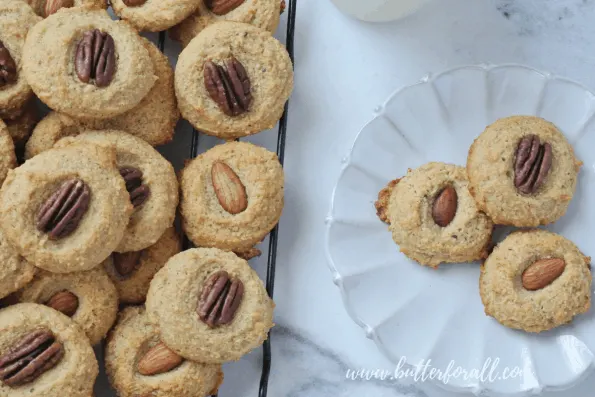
274 235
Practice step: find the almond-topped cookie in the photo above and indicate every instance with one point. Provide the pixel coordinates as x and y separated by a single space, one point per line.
433 218
16 18
44 354
263 14
138 363
233 80
535 280
132 272
522 171
89 298
100 68
209 306
151 182
232 196
67 209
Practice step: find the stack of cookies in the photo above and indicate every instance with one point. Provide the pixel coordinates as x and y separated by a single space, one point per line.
521 172
90 251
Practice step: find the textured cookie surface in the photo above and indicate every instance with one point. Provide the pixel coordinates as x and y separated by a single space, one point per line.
8 159
505 297
21 126
102 225
60 86
133 285
263 14
130 340
16 18
173 300
266 63
73 375
410 214
96 304
155 15
156 213
50 130
15 271
42 7
207 222
491 172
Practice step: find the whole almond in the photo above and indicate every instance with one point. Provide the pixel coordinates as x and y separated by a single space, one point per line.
542 273
158 360
52 6
229 189
65 302
445 206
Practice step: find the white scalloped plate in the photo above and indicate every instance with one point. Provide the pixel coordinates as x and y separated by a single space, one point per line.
419 313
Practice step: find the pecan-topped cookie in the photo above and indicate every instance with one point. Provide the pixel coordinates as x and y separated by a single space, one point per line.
232 196
209 306
16 18
138 362
45 8
535 280
132 272
151 182
433 218
522 171
66 209
233 80
263 14
154 16
100 67
43 354
89 298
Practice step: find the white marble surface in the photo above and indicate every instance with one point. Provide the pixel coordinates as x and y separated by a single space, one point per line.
344 69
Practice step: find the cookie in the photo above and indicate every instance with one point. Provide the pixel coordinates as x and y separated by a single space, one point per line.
15 271
89 298
45 8
433 218
535 281
233 80
8 159
263 14
117 83
522 171
64 363
137 363
132 272
210 306
153 120
232 196
67 209
150 180
16 18
154 16
21 126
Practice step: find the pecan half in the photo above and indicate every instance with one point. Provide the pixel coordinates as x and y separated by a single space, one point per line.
532 164
134 3
229 86
8 68
220 298
222 7
126 263
29 358
95 59
52 6
139 192
62 212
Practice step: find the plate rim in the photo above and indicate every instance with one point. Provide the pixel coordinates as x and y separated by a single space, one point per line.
479 388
